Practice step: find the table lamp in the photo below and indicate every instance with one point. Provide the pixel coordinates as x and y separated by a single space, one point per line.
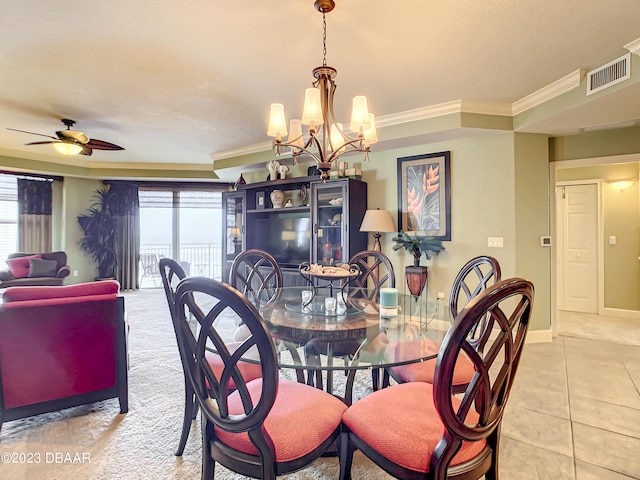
377 221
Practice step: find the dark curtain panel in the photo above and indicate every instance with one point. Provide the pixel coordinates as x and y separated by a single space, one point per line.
127 211
34 215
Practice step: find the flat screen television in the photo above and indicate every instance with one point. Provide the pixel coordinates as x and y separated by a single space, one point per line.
285 235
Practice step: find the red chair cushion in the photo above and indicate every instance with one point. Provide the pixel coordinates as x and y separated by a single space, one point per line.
423 371
249 371
302 418
401 423
19 266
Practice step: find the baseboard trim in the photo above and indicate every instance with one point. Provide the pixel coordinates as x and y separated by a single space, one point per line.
620 313
539 336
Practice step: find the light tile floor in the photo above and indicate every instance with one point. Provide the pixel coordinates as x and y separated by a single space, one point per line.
574 411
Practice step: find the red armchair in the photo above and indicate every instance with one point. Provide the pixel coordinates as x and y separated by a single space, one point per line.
61 347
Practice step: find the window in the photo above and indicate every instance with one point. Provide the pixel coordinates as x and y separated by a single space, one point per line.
8 215
183 225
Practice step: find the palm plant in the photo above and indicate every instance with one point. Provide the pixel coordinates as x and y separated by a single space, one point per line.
416 274
100 230
417 246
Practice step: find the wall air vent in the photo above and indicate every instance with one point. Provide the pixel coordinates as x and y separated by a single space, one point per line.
607 75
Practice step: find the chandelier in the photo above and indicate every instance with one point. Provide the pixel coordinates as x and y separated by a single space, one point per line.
325 139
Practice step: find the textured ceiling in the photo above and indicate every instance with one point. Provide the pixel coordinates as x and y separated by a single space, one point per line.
174 81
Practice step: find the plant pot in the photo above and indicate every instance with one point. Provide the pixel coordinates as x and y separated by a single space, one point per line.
416 279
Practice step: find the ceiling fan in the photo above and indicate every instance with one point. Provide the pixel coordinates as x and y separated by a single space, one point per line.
72 142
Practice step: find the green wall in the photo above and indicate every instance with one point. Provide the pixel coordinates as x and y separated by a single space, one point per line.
620 218
532 220
76 198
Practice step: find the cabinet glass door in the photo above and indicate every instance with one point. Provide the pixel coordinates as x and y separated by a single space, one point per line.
329 231
233 209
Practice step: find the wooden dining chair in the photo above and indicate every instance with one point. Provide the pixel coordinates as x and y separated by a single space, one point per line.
264 427
472 279
376 272
171 274
257 275
418 430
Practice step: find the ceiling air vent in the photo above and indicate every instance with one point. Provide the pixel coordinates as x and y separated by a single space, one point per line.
607 75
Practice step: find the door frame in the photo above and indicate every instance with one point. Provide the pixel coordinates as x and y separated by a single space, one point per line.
581 162
599 234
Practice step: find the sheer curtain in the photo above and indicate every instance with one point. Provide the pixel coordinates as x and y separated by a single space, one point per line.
34 215
127 211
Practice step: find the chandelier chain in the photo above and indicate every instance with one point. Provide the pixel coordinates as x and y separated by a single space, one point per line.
324 40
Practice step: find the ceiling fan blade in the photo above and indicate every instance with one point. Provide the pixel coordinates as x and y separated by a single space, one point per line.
32 133
38 143
102 145
86 150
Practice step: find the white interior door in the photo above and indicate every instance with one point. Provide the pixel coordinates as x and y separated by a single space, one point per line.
578 247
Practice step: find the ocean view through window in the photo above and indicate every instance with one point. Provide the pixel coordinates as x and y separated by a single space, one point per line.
183 225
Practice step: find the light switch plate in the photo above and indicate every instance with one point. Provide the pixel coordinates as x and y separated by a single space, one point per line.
495 242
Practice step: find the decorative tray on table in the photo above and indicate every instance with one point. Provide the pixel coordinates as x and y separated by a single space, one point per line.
343 272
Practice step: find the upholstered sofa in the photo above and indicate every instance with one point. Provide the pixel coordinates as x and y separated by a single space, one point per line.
25 269
61 347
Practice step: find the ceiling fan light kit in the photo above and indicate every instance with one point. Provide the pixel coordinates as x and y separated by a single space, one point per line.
72 142
326 139
66 148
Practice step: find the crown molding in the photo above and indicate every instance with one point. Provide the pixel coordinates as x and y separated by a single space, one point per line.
563 85
239 152
441 109
201 167
634 47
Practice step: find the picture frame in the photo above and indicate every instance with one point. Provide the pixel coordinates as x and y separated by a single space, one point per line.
424 195
260 200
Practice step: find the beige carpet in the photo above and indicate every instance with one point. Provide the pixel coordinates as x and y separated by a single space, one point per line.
141 443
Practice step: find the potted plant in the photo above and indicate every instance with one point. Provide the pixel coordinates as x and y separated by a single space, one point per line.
99 228
416 274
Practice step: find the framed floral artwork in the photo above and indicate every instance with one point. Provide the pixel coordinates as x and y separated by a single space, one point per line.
424 195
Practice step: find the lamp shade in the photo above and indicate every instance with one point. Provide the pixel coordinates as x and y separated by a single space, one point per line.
336 137
67 148
277 123
370 134
312 112
295 133
377 221
360 115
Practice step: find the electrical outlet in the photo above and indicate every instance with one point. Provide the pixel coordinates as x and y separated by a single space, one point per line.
495 242
440 295
75 273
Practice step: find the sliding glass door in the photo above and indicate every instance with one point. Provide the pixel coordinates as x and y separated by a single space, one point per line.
183 225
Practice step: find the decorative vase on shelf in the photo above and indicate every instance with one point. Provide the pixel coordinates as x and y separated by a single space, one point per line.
277 198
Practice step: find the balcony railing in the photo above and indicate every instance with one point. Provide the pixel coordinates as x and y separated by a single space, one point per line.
198 259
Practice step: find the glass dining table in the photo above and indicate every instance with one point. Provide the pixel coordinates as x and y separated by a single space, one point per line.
313 340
